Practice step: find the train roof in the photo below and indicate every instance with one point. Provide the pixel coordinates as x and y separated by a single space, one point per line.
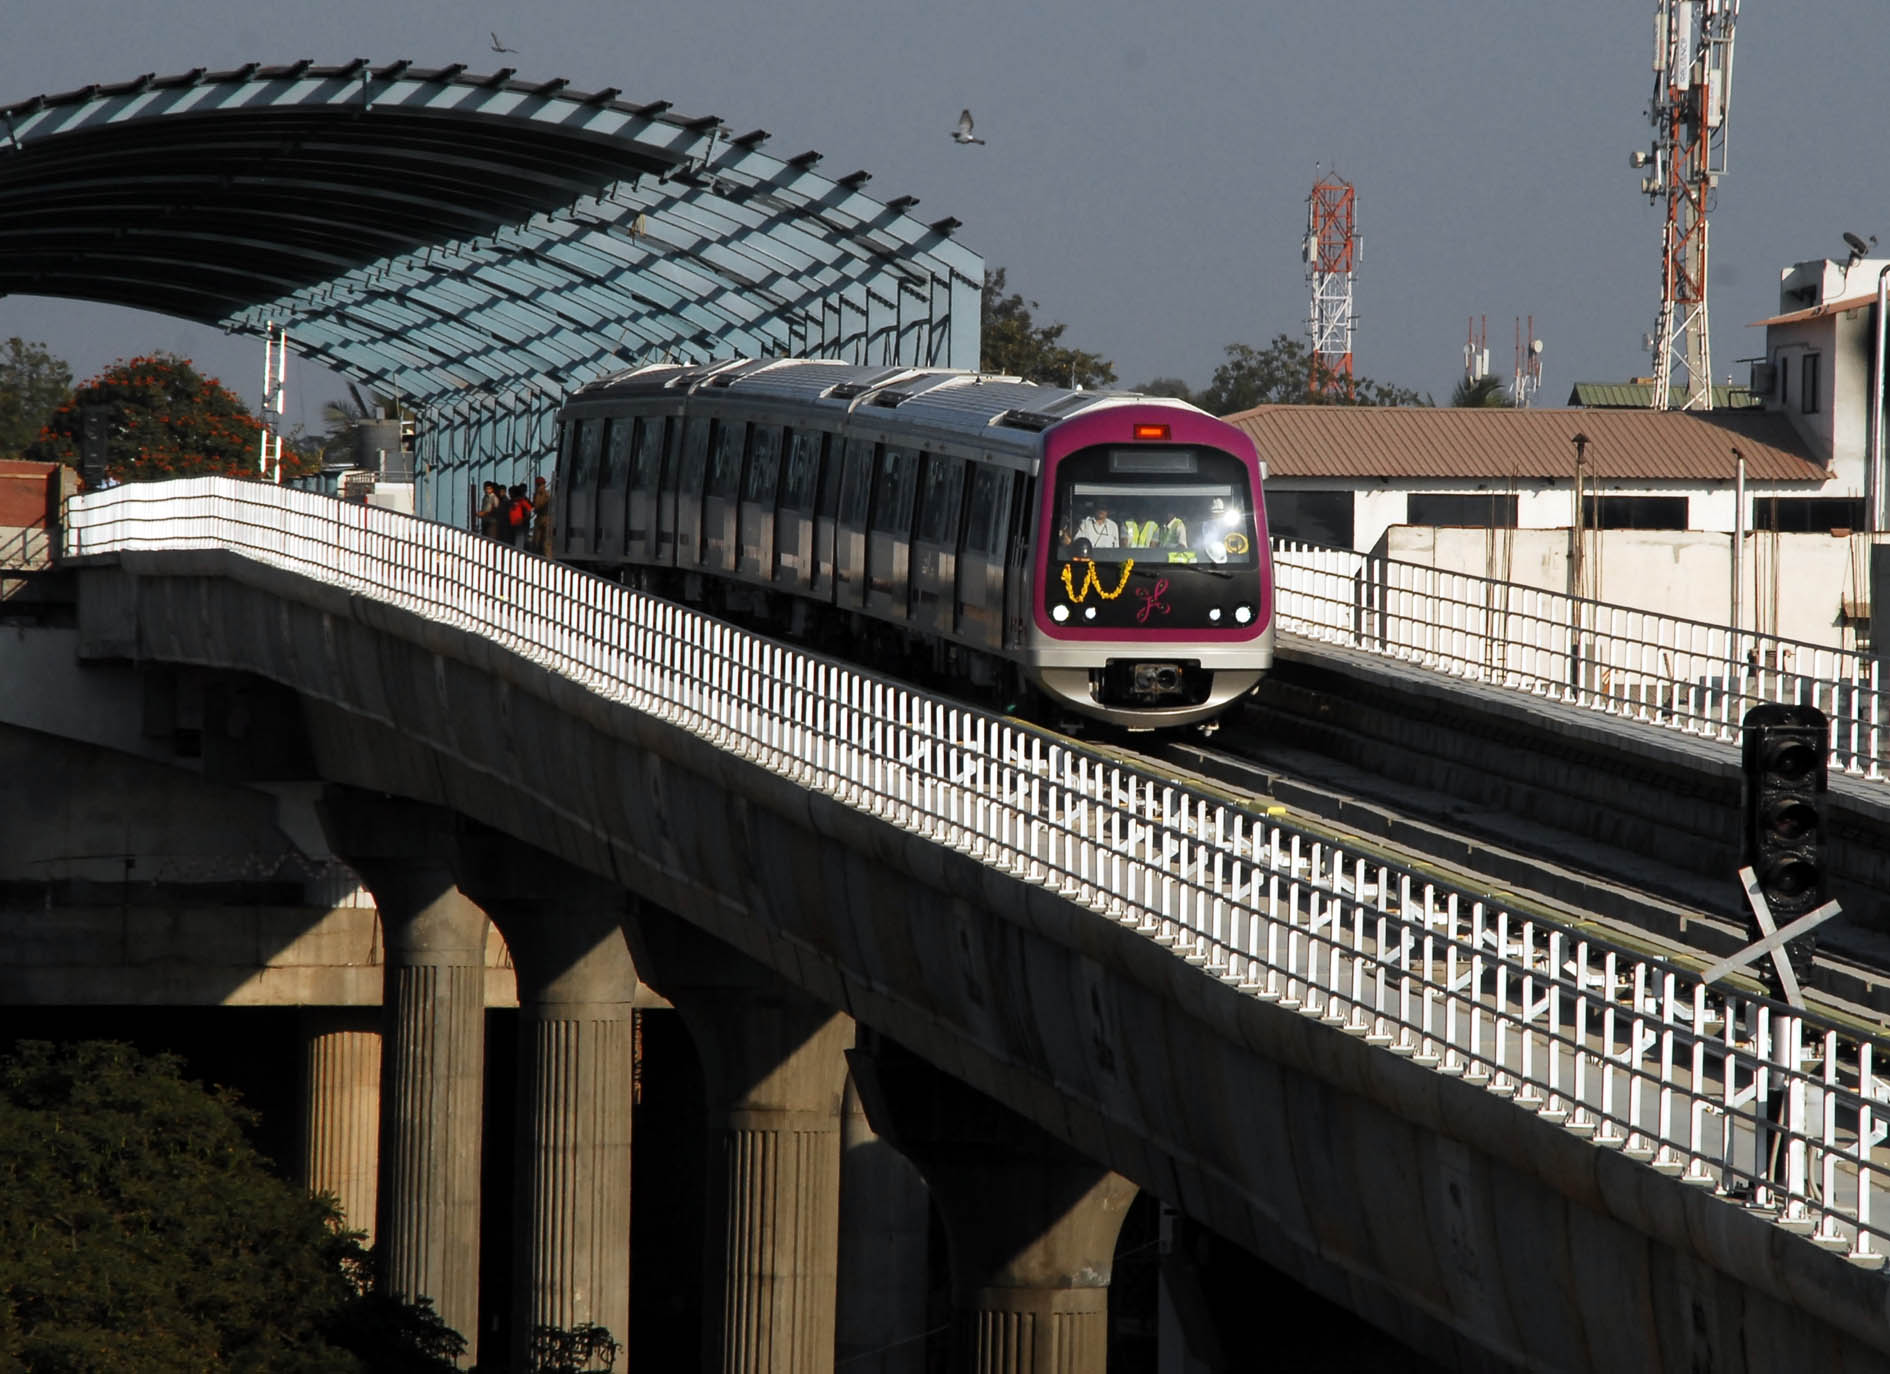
932 398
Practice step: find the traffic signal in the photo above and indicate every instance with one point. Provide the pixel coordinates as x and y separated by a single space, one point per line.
94 436
1784 756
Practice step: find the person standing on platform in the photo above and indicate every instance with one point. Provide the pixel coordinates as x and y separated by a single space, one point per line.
541 517
489 506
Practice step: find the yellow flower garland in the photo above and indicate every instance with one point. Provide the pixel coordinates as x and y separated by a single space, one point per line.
1091 580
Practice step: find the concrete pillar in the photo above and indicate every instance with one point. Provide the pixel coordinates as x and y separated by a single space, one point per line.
774 1072
341 1109
1032 1224
432 1049
576 990
885 1226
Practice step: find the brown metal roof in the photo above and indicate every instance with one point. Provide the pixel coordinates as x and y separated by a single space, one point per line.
1837 307
1477 444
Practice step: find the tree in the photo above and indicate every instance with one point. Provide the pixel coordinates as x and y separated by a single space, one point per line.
1281 374
1483 393
1167 386
32 384
1015 344
140 1231
163 419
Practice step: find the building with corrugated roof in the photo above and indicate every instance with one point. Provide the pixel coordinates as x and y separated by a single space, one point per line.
1654 496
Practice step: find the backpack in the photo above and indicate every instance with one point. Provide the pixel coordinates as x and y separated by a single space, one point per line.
518 512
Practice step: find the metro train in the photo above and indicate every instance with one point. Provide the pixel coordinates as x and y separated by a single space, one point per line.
1102 554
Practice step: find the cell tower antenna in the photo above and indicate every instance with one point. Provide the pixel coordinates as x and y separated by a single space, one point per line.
1476 350
1528 364
1693 53
1332 250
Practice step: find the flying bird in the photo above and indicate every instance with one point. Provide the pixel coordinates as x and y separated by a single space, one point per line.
962 134
497 46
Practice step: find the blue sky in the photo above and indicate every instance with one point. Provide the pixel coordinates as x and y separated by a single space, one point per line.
1147 169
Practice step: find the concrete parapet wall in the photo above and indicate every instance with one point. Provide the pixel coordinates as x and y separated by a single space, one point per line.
1467 1226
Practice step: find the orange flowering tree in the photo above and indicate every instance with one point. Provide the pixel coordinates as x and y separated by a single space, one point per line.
163 419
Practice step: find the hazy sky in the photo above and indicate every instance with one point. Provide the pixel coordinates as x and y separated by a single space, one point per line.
1147 169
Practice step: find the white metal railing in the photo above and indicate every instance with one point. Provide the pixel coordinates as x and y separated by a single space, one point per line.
1681 674
1758 1102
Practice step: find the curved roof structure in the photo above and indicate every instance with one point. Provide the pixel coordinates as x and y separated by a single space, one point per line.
476 244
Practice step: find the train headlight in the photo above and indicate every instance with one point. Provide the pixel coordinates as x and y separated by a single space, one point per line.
1215 613
1243 614
1089 612
1059 613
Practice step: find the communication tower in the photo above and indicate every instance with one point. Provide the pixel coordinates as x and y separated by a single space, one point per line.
1528 365
1331 251
275 380
1476 350
1693 52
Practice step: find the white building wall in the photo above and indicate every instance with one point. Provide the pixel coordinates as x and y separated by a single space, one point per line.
1793 585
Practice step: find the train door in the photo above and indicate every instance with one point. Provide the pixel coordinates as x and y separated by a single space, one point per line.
679 530
794 561
646 486
980 591
580 496
934 571
889 531
760 481
613 490
722 496
1020 538
849 545
827 519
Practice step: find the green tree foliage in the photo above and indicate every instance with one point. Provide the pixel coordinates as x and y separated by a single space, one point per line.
1282 374
1015 344
1483 393
164 419
572 1350
32 384
140 1232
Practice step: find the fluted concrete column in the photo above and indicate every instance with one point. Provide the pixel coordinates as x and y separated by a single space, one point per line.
341 1109
1033 1225
432 1050
885 1226
774 1068
577 988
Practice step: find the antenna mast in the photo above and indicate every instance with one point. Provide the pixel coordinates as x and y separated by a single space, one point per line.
1331 250
1693 52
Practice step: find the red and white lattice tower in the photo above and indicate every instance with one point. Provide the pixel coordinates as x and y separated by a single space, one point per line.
1693 52
1331 252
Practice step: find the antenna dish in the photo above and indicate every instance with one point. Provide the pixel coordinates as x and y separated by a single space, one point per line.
1859 245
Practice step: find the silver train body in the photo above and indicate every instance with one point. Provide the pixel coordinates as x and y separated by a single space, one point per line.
1104 549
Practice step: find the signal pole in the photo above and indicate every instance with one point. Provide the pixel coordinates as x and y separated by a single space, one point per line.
1693 51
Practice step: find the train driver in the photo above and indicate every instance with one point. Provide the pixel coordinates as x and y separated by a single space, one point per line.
1099 529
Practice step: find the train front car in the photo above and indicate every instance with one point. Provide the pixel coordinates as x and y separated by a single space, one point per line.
1153 601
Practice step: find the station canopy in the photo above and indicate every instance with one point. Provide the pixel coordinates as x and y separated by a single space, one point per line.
475 245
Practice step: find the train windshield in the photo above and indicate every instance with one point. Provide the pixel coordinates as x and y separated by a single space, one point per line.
1154 505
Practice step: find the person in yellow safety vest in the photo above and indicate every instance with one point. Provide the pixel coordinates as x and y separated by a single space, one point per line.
1141 534
1175 533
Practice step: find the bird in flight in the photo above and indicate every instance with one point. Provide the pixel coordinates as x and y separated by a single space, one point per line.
497 46
962 134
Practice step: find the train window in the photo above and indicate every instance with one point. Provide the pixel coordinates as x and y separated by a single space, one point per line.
898 484
695 454
803 469
590 442
940 498
856 483
617 452
1200 511
984 526
725 472
764 464
649 453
